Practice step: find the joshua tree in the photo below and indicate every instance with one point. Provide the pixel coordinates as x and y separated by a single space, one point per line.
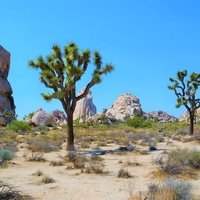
186 91
60 72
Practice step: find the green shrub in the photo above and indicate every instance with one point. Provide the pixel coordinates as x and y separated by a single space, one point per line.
6 155
19 126
139 122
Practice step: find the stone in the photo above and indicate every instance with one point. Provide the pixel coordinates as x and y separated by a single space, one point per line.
42 118
126 106
160 116
85 108
186 117
7 106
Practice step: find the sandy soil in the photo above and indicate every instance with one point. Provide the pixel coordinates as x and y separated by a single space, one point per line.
74 185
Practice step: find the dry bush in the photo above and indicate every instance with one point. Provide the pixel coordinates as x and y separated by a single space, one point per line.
8 192
42 146
36 157
56 163
179 162
47 180
79 161
38 173
123 173
95 166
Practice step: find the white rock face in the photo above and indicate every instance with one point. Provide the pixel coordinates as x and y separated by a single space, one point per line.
85 108
185 116
160 116
125 106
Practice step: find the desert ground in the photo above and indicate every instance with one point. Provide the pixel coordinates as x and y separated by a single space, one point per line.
75 181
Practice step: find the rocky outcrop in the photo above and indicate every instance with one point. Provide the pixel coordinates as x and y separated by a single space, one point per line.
7 106
42 118
85 108
185 116
160 116
126 106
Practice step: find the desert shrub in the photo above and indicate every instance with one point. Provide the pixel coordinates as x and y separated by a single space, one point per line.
134 122
42 146
38 173
6 155
139 122
8 192
56 163
179 161
36 157
182 132
47 180
19 126
123 173
96 167
194 159
170 190
79 161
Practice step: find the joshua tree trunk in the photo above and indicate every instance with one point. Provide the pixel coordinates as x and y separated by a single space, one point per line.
70 132
191 122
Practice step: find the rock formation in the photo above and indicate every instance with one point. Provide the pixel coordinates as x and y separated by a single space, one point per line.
85 108
160 116
42 118
125 106
7 106
185 116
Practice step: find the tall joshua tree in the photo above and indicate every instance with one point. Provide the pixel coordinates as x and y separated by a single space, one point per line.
186 91
60 72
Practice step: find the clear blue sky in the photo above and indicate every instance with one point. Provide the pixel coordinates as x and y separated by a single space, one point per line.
146 40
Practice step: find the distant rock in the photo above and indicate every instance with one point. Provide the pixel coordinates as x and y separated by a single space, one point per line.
185 116
125 106
42 118
160 116
85 108
7 106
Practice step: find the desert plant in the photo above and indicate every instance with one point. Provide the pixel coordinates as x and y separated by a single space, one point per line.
42 146
123 173
19 126
170 190
36 157
38 173
56 163
61 71
8 192
96 167
6 155
186 91
47 180
79 161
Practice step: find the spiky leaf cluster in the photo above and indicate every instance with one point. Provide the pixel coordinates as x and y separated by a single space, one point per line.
186 90
62 69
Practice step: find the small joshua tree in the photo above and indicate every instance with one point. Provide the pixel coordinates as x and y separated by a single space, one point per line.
60 72
186 90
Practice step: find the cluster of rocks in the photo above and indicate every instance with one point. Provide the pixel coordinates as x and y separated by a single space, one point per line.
160 116
7 106
125 106
42 118
186 117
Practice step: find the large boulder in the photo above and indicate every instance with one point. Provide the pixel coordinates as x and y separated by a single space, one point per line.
160 116
126 106
7 106
186 117
42 118
85 108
